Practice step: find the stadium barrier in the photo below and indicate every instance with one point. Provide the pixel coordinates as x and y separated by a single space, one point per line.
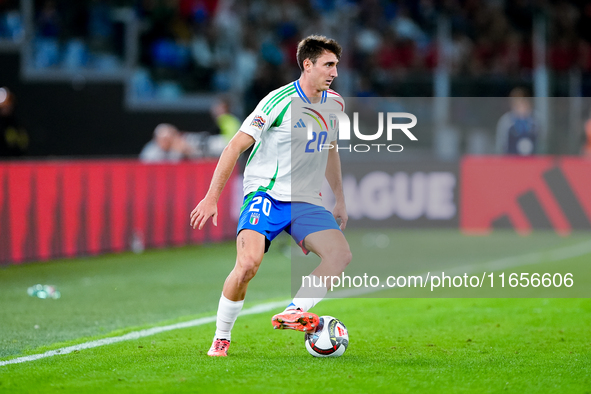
77 208
525 193
402 195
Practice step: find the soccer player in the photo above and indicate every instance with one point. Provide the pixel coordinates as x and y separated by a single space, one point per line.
282 182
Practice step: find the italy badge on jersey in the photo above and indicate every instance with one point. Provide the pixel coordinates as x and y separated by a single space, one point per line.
254 218
333 121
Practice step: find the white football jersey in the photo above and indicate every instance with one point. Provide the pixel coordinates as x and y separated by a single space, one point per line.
284 161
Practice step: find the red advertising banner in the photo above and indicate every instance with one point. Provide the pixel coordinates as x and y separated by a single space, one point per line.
76 208
525 193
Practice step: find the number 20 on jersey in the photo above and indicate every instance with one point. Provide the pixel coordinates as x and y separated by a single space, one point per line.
317 142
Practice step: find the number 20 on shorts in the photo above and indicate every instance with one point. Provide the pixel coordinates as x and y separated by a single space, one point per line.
266 205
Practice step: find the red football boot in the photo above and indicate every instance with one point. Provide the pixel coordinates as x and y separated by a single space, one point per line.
219 348
295 319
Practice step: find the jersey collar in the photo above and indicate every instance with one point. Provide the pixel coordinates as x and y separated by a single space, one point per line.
302 95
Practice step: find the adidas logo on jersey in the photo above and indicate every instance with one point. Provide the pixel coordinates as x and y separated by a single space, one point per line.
300 124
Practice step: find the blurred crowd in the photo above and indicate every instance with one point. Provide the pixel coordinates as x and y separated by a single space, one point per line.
248 45
245 48
251 43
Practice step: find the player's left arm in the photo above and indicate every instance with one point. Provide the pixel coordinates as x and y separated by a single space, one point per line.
335 180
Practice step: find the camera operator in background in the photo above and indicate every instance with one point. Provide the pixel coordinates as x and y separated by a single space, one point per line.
168 145
14 139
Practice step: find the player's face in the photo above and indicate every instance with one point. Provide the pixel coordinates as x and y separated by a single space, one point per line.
324 71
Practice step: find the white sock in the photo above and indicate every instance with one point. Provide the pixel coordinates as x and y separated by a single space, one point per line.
307 296
227 314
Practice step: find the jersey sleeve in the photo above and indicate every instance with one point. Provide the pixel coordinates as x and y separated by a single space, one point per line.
257 122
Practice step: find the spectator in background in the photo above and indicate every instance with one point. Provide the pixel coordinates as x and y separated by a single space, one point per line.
228 125
14 139
224 119
168 145
518 131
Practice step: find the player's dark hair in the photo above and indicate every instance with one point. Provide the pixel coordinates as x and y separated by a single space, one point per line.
312 47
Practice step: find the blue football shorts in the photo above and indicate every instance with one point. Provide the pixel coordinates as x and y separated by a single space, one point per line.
268 216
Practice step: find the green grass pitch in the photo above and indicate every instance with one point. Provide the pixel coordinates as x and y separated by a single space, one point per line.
396 345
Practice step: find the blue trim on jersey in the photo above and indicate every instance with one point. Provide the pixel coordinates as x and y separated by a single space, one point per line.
301 92
303 96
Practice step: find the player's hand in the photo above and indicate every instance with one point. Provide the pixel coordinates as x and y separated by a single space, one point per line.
340 213
206 209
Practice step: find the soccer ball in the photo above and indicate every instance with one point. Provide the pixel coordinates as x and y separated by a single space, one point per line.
329 340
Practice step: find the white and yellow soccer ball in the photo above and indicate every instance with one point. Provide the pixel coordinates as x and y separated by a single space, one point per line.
330 339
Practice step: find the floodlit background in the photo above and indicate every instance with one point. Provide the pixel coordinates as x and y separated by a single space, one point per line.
113 114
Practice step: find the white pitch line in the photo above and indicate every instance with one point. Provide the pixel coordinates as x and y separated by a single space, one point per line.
141 334
509 262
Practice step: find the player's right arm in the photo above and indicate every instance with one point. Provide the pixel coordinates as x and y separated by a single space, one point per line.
207 208
251 130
